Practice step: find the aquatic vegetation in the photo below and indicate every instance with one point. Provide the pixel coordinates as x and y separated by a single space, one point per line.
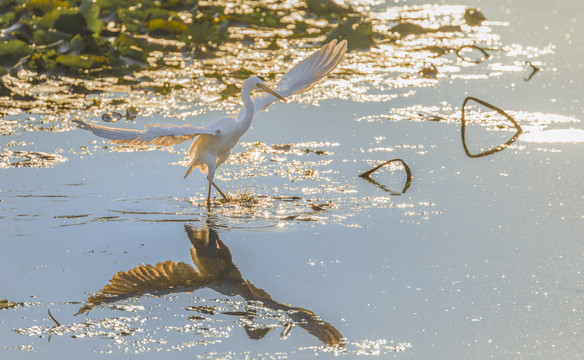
242 197
139 57
6 304
33 159
115 37
123 46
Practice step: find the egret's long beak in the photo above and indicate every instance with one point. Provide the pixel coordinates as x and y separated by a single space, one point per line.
270 91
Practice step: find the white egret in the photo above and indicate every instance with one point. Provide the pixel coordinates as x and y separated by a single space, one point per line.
215 142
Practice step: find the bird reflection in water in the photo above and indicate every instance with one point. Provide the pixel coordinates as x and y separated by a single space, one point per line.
214 270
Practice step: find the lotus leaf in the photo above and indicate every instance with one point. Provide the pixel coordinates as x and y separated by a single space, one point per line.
46 6
12 51
90 11
84 61
71 23
160 26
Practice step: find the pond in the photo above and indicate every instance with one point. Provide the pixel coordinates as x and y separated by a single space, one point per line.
108 250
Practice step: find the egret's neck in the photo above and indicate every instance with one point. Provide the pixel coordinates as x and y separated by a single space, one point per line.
247 104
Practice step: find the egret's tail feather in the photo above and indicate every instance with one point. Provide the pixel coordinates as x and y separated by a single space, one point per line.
192 166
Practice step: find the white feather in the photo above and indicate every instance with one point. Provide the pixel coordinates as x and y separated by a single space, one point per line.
152 134
304 75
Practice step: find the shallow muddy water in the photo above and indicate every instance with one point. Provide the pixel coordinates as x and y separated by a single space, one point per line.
479 257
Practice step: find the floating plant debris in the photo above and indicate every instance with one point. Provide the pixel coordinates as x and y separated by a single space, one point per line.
498 111
5 304
208 310
405 29
243 197
34 159
53 318
131 114
474 17
483 51
367 176
534 70
111 117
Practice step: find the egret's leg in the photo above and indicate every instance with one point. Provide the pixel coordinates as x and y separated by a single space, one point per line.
210 178
210 175
220 192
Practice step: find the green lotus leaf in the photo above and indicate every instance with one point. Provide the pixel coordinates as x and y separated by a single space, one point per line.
178 4
12 51
163 14
7 19
46 6
71 23
84 61
160 26
4 91
90 11
46 37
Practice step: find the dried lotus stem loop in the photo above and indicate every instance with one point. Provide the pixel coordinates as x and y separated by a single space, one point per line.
534 69
131 114
487 56
111 117
500 112
366 176
53 318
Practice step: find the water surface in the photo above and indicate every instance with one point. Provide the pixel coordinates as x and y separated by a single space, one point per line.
479 258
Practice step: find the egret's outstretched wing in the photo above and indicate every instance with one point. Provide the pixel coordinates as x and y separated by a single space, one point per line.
152 134
164 278
305 74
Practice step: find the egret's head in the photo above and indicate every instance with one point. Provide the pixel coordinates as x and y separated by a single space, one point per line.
259 84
